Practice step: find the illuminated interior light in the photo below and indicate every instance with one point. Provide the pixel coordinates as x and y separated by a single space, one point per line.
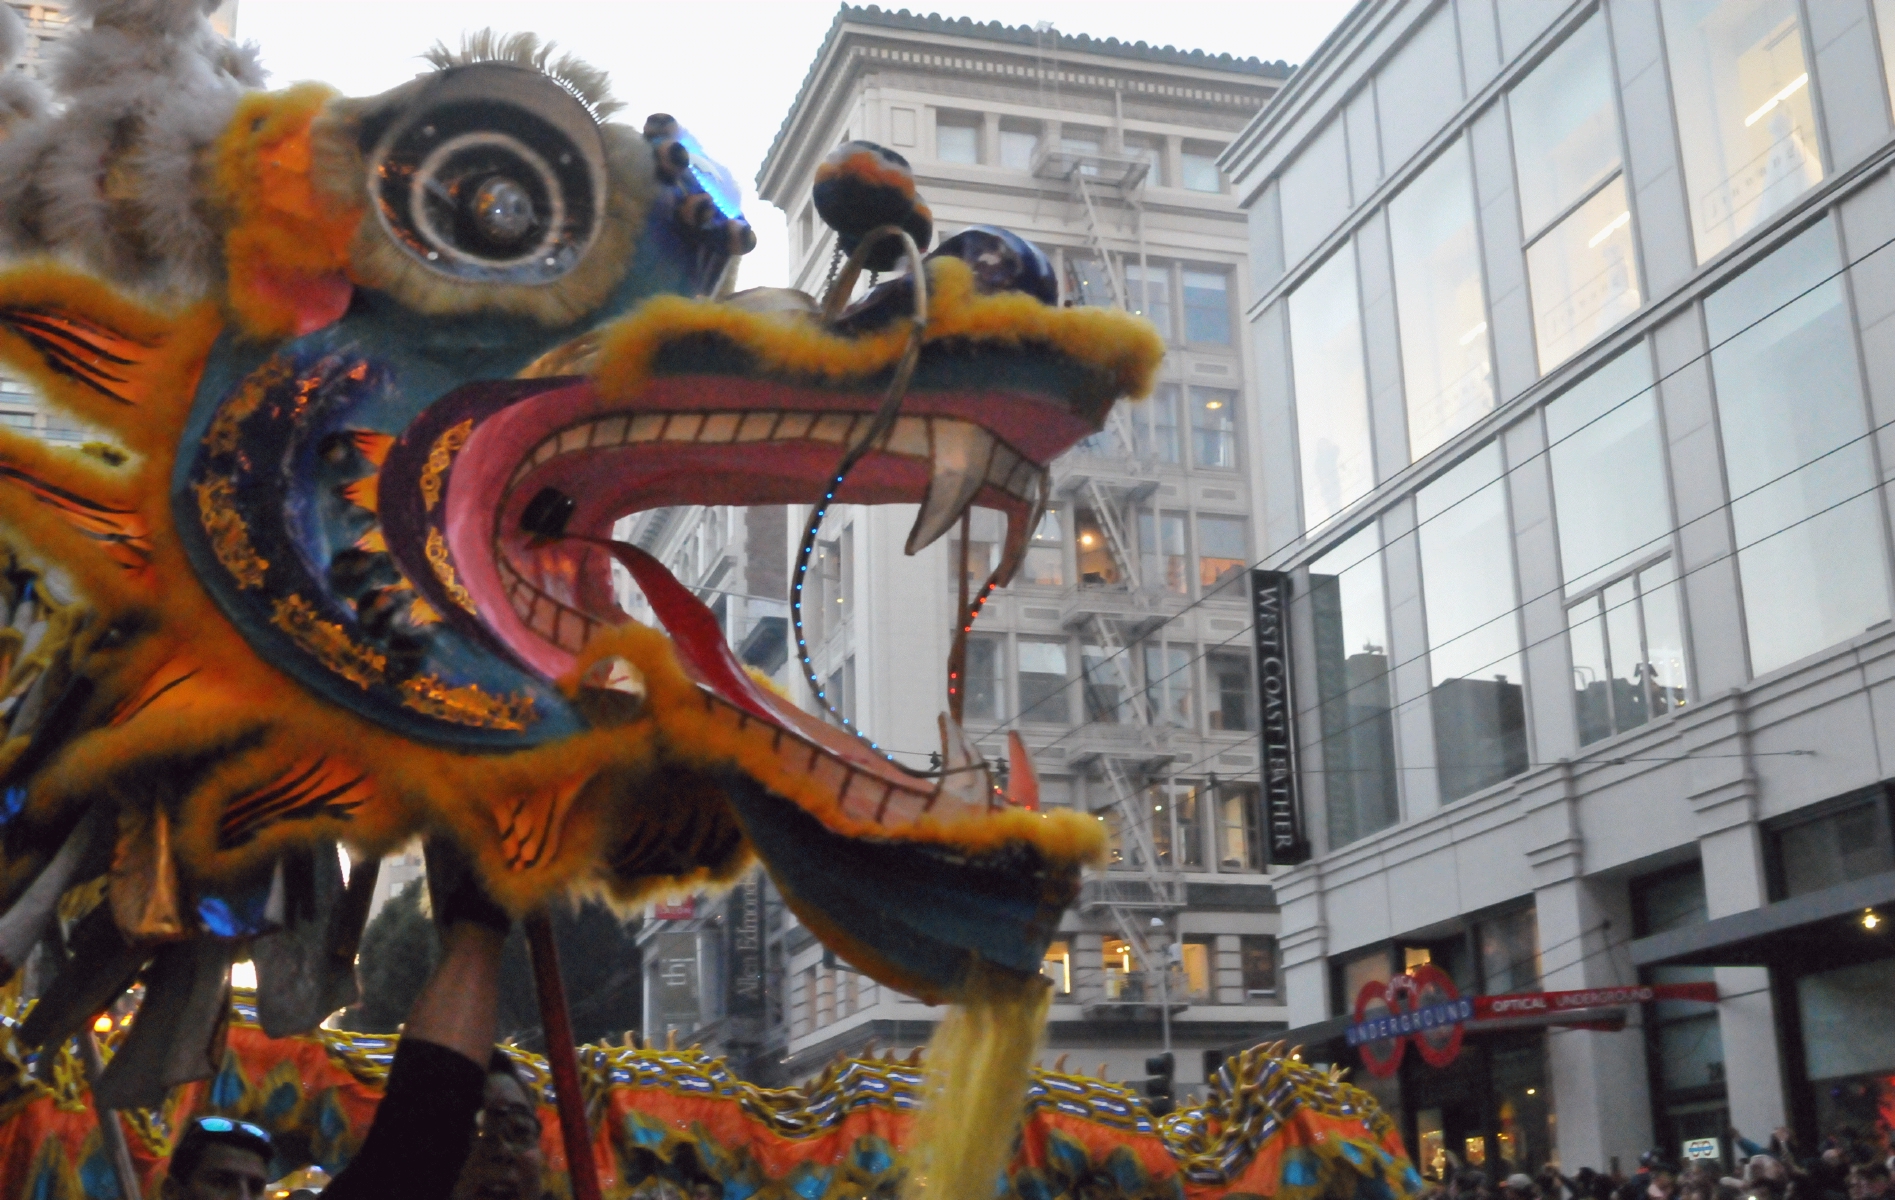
1870 918
1789 89
102 1025
1468 337
243 975
1213 404
1611 227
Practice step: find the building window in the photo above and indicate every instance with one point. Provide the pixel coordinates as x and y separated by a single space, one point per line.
1197 168
1683 1042
1150 150
1108 684
1057 965
1332 399
1221 550
1479 704
1163 560
1231 701
1349 621
1440 304
957 137
1157 818
1123 980
1848 1047
1155 426
1089 282
1207 307
1628 653
1885 26
1045 562
1043 676
1082 144
1168 688
1197 957
1189 809
986 534
1608 464
1350 975
1214 428
1509 952
1259 965
1239 838
1019 142
1745 119
1840 842
1148 293
1094 552
1802 479
985 684
1581 265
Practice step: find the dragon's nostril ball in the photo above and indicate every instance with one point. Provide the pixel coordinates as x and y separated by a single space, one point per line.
503 211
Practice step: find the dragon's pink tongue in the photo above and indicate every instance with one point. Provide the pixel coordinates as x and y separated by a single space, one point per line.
693 629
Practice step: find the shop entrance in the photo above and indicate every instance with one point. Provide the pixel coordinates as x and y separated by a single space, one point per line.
1488 1110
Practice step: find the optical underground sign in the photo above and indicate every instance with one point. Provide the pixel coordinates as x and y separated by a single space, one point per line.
1426 1009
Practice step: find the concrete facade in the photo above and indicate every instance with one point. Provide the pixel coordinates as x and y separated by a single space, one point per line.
1770 701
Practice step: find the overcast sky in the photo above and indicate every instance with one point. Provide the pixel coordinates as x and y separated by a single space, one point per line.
728 70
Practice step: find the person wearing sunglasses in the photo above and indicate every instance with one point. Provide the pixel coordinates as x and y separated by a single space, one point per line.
219 1159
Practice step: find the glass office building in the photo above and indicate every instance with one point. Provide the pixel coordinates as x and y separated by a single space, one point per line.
1571 324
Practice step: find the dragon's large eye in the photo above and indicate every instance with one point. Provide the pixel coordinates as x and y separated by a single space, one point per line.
497 175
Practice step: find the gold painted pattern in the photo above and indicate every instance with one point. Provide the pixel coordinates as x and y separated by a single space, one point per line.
440 457
230 538
436 550
467 705
329 642
222 437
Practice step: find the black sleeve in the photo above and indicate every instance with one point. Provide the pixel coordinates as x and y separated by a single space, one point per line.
422 1130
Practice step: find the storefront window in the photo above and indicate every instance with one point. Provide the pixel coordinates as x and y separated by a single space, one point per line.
1509 952
1850 841
1746 121
1332 400
1163 560
1849 1043
1802 480
1581 264
1350 624
1230 700
1043 674
1478 701
1440 303
1684 1043
1352 974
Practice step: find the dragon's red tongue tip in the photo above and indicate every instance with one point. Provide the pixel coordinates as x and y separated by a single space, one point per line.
693 628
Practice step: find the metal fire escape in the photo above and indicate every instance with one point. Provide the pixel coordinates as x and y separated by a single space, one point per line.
1131 752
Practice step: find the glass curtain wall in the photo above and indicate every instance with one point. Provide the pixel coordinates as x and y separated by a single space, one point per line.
1440 304
1582 268
1332 400
1478 699
1746 123
1802 476
1613 513
1350 623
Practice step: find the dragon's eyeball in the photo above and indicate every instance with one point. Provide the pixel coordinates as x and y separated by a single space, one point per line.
861 186
496 174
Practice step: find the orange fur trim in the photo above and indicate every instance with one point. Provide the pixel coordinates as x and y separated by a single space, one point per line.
1126 348
284 234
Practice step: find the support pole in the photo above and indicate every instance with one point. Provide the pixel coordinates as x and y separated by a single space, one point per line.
110 1131
556 1021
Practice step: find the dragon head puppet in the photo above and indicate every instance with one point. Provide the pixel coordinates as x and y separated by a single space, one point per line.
372 380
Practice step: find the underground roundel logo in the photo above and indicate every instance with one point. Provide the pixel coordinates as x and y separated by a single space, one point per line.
1423 1006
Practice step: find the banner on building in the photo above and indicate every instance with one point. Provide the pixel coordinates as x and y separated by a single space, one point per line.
744 924
1282 801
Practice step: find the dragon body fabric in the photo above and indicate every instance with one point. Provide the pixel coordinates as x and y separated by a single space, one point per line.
368 384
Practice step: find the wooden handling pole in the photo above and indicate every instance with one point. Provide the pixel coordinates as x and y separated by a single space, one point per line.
556 1021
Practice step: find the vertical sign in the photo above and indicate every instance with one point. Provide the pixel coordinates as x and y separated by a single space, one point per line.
744 919
1282 808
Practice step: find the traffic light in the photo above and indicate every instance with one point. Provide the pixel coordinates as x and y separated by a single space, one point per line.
1159 1069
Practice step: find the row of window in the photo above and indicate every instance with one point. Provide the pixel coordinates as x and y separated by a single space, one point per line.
1013 143
1055 679
1073 544
1192 978
1157 436
1155 291
1811 557
1743 103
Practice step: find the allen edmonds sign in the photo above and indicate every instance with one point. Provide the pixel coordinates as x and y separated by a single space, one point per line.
1282 806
